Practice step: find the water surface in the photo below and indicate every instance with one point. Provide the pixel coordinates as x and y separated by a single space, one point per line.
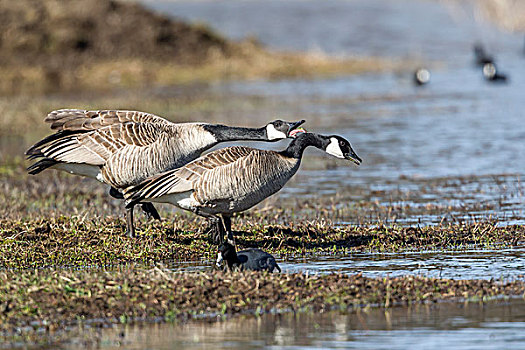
495 325
455 145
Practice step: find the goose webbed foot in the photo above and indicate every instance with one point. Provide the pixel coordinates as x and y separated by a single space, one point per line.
150 210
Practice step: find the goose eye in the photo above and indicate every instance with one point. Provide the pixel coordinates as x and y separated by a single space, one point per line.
341 143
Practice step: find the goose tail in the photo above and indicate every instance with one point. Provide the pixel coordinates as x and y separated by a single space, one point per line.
41 165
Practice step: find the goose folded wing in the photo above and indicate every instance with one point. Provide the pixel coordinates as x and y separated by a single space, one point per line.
211 163
95 147
83 120
157 186
183 179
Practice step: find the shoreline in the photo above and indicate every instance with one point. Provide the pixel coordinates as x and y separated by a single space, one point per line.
52 300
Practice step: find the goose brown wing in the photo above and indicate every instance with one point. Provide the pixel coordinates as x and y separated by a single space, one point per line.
185 178
96 146
213 161
82 120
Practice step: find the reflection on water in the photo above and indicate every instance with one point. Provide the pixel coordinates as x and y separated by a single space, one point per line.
465 264
494 325
468 264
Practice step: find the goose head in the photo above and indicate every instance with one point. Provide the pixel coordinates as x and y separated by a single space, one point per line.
421 76
280 129
340 147
489 70
334 144
226 253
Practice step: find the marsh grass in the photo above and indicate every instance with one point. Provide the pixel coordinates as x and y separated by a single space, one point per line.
82 242
115 75
102 45
52 299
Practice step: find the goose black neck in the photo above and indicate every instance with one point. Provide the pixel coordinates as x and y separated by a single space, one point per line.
296 148
232 133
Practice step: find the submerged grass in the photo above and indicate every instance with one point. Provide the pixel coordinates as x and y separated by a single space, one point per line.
53 299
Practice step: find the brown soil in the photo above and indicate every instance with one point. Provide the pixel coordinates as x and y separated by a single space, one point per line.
52 299
103 45
71 32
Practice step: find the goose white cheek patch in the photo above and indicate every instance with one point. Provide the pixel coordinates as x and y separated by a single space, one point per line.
334 149
273 133
219 260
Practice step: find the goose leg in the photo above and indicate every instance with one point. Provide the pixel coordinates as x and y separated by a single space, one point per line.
227 223
150 210
216 231
130 228
146 207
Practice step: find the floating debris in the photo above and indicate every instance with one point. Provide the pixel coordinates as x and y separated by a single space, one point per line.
421 76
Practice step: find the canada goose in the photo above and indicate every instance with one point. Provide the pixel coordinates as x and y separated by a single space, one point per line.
122 148
233 179
249 259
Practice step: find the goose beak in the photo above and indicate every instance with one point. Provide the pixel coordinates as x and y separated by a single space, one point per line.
294 133
352 156
294 125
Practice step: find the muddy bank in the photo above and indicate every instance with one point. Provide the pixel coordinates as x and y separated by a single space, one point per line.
53 299
100 45
70 33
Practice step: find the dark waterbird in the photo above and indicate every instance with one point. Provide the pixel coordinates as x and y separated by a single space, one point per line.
481 55
250 259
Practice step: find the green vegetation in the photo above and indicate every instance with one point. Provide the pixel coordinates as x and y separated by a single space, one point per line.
51 299
65 241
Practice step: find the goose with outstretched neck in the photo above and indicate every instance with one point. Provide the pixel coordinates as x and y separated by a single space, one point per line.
123 148
234 179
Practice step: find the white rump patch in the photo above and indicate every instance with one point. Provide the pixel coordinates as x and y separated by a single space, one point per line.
87 170
334 149
183 200
273 133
